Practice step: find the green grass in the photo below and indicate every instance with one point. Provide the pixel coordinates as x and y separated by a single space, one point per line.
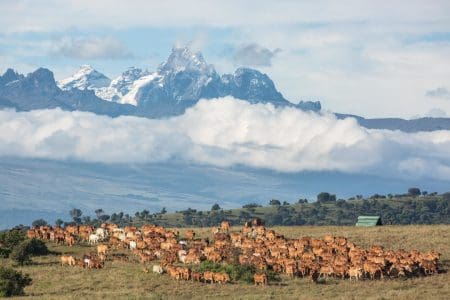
120 280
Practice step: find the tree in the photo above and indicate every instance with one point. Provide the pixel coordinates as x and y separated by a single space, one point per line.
76 215
215 207
104 218
39 222
12 282
325 197
274 202
99 212
285 203
59 222
163 211
414 191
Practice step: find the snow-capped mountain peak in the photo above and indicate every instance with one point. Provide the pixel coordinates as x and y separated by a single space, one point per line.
85 78
124 82
184 59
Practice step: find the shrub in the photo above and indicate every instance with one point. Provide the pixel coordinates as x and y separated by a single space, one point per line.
37 247
20 254
243 273
11 238
12 282
4 252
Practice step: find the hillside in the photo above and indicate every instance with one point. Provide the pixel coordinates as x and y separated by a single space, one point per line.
399 210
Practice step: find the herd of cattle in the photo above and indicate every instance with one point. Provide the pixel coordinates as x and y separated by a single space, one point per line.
253 245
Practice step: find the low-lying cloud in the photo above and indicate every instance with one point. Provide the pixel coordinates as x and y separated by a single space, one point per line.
226 132
92 48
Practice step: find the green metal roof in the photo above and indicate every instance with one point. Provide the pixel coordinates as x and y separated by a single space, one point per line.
368 221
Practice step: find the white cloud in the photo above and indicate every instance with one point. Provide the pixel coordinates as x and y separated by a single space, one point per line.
440 92
92 48
228 132
254 55
61 15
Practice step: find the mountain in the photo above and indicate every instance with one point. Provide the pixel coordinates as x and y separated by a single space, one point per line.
180 82
177 84
38 90
185 77
85 78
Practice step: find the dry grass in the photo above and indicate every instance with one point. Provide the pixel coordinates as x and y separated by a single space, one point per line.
127 280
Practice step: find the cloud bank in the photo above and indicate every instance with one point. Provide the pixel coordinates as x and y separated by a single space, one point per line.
226 132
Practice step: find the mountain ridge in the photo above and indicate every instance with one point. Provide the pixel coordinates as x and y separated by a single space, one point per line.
179 83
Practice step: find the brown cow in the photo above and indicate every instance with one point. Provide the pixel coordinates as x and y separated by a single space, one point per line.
68 260
196 276
225 226
355 272
102 249
260 279
208 276
221 277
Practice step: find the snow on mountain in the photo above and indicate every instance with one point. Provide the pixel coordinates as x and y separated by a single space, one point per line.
178 83
133 90
86 78
111 90
124 82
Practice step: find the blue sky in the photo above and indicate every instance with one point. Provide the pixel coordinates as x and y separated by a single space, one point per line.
372 58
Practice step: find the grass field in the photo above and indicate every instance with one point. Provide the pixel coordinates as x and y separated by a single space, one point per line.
120 280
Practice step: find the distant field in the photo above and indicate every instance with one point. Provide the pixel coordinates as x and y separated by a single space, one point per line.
127 280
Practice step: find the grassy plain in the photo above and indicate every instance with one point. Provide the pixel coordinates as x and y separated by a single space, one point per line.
122 280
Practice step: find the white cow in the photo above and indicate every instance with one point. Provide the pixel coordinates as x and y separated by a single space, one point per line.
102 233
158 269
182 256
133 245
93 239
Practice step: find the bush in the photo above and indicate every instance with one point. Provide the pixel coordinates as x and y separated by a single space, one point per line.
11 238
37 247
243 273
20 254
12 282
4 252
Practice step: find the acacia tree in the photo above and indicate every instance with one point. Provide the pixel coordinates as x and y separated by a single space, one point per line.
76 215
414 191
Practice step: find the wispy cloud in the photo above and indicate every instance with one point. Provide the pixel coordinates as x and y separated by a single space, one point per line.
440 92
254 55
229 132
92 48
